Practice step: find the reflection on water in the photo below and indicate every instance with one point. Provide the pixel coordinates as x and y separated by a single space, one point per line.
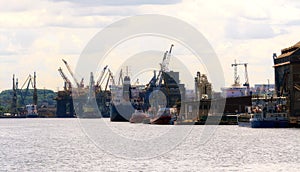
60 145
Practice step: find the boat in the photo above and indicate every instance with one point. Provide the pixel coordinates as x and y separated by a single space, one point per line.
164 116
31 111
121 112
139 117
243 119
266 113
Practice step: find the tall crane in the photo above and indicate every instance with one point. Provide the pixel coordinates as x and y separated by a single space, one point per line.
98 83
68 85
13 109
165 64
72 74
166 60
20 91
112 77
236 77
35 97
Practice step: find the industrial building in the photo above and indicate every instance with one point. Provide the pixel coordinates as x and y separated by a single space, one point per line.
287 79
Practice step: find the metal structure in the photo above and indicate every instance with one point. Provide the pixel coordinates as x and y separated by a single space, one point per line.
67 85
72 74
287 79
64 100
236 77
13 108
99 80
166 83
35 98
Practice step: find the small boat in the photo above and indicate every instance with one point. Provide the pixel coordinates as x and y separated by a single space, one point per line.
139 117
243 120
164 116
31 111
269 120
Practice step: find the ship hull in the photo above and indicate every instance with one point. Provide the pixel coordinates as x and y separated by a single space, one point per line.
121 113
162 120
269 124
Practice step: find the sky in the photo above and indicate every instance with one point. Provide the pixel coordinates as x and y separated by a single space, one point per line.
36 35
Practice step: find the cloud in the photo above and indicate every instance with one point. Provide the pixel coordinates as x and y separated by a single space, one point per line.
247 29
120 2
293 23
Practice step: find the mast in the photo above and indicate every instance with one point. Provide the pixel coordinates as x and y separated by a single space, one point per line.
14 98
35 98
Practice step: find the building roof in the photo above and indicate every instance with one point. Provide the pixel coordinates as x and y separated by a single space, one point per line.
290 50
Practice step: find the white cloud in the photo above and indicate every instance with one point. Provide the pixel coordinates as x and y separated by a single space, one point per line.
35 36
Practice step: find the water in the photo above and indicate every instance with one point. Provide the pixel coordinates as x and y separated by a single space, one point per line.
61 145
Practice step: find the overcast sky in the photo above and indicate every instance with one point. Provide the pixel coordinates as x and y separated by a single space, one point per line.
36 35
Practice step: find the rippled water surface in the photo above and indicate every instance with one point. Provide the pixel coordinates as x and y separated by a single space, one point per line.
63 145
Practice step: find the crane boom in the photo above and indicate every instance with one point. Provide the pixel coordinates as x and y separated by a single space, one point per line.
111 76
67 81
72 74
101 76
166 60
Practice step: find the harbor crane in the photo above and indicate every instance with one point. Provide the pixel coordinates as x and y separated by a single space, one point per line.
98 83
165 64
236 77
111 76
20 91
166 60
68 85
72 74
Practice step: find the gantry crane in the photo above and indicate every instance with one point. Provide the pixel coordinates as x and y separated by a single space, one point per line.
236 77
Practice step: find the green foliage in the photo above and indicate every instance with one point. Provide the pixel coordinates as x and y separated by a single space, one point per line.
43 96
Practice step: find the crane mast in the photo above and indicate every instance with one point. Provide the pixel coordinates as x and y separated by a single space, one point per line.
246 76
35 98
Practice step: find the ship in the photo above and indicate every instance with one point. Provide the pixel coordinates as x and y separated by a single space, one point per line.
121 107
163 91
270 112
164 116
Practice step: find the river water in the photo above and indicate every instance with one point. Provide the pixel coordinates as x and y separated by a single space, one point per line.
67 145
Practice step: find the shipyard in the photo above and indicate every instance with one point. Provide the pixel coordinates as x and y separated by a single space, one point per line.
163 100
178 85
